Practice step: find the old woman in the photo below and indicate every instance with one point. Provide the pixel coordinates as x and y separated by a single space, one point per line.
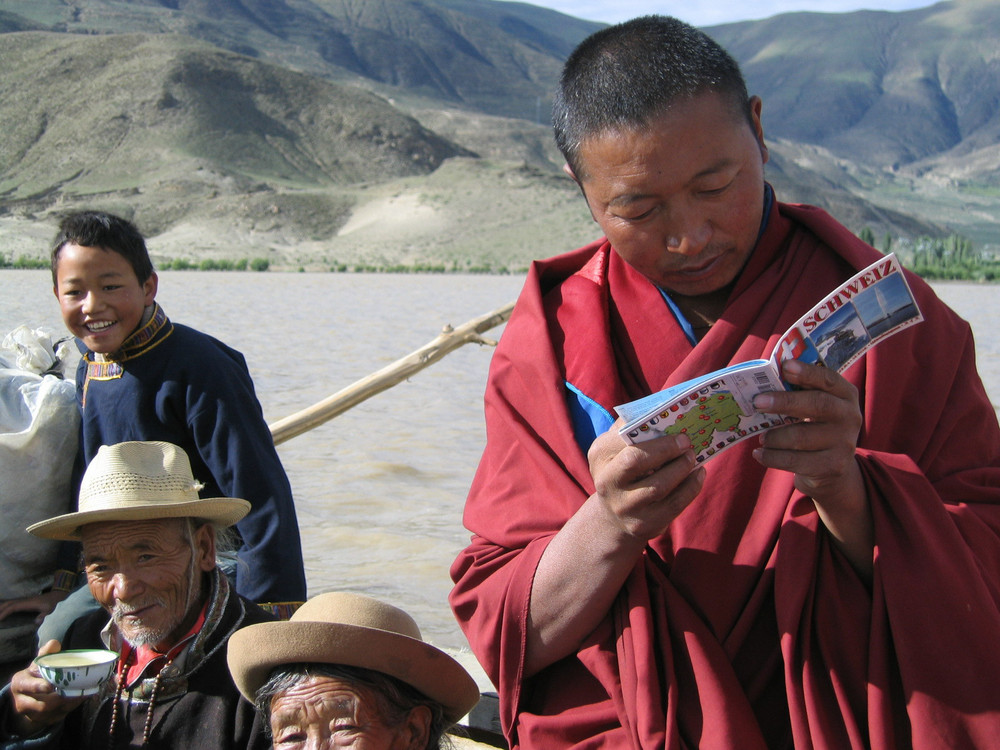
350 671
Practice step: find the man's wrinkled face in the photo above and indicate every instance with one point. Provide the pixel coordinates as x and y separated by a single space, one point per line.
682 199
323 712
147 575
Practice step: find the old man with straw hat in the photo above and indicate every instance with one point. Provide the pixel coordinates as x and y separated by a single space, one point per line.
149 553
350 670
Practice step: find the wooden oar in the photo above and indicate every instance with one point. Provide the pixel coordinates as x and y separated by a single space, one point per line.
381 380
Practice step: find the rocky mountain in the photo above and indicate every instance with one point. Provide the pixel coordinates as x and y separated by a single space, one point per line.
890 89
159 115
497 57
332 132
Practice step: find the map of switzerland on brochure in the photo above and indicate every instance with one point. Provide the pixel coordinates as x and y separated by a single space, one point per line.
716 410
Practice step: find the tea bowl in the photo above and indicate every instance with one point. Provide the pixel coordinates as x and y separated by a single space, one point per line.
77 672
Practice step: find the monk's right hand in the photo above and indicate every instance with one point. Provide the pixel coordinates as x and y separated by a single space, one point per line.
644 486
37 705
640 490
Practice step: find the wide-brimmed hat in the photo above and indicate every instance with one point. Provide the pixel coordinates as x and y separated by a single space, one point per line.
357 631
140 481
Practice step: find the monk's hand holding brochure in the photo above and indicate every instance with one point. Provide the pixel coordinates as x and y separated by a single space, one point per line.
716 410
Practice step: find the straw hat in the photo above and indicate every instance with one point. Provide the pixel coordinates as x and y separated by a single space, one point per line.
140 481
357 631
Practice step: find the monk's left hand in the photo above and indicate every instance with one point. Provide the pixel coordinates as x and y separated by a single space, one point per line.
820 450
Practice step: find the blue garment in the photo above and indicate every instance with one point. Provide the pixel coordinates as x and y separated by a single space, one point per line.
590 419
177 384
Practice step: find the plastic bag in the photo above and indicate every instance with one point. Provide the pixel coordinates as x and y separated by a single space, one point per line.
39 435
35 351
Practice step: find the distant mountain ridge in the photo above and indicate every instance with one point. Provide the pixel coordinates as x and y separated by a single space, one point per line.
497 57
886 88
880 87
171 115
270 122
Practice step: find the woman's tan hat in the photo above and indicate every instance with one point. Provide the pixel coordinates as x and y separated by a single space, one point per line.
357 631
140 481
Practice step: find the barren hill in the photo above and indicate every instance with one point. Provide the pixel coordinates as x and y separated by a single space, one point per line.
329 132
183 130
889 89
498 57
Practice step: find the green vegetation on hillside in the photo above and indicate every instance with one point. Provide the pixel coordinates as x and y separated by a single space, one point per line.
953 258
24 262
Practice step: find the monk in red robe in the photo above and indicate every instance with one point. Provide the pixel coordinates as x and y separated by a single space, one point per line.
833 584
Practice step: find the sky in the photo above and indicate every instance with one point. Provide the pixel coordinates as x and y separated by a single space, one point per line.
711 12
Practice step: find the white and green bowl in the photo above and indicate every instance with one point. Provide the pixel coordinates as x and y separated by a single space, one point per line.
77 672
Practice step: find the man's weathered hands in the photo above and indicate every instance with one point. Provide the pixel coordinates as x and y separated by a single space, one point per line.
37 705
646 486
640 490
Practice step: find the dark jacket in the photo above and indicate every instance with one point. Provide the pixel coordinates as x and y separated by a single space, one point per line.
182 386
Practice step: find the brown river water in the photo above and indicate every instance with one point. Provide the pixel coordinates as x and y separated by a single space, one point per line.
379 489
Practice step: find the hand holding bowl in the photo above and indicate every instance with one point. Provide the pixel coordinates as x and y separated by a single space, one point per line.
77 672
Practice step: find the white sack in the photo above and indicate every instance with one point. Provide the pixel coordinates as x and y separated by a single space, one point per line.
39 433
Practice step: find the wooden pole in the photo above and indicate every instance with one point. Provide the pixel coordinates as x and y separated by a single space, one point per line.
381 380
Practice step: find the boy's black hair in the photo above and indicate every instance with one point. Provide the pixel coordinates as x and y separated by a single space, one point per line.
623 76
108 232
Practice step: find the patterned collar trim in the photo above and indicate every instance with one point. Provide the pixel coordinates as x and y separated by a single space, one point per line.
147 334
147 337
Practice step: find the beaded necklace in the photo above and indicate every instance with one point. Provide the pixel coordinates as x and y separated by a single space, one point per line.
131 656
119 691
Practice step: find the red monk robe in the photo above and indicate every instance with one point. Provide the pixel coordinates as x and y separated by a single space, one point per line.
743 626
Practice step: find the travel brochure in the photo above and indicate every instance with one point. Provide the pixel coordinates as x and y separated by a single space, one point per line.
716 410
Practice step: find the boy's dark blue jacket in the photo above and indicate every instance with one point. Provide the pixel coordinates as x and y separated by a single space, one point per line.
176 384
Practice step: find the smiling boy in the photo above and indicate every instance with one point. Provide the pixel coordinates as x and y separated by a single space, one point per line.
142 377
101 297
